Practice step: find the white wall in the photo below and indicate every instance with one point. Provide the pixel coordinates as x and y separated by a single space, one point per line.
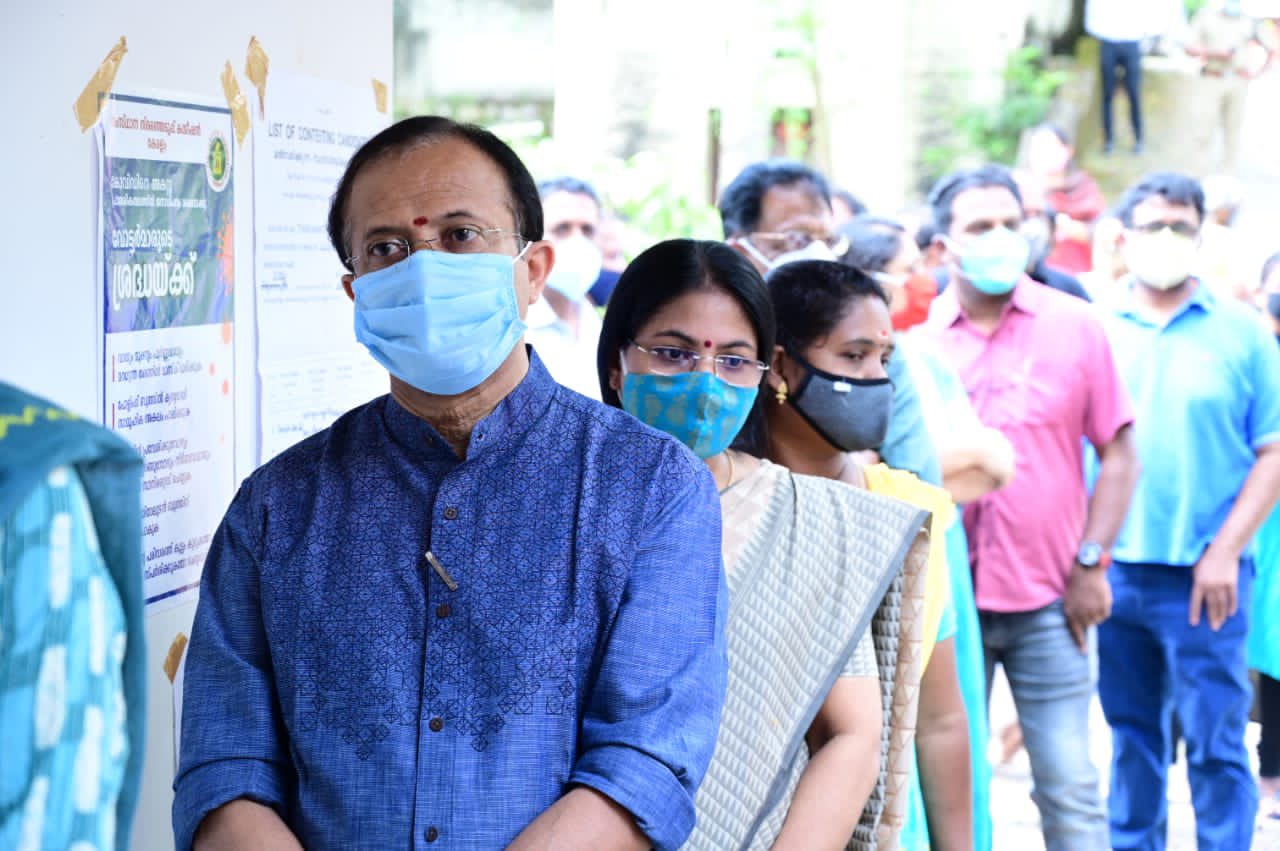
49 324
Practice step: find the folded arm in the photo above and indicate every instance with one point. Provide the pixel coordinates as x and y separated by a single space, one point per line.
975 463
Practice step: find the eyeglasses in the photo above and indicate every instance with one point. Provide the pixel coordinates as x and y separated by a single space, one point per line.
774 244
383 251
672 360
1180 228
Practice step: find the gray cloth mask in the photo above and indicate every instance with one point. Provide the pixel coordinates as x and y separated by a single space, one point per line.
852 414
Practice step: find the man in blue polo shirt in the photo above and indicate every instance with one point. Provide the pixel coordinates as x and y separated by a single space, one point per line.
1204 376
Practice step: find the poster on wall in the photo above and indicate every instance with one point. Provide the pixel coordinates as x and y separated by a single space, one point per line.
166 233
310 367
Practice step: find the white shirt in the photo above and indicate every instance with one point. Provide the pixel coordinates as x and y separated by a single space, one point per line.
1132 20
571 361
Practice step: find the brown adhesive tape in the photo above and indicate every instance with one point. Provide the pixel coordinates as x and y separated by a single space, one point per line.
256 66
174 657
89 105
236 101
380 95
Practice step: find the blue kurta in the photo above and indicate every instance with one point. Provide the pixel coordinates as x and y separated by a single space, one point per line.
397 648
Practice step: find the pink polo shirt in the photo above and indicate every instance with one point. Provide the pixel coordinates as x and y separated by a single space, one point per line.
1045 377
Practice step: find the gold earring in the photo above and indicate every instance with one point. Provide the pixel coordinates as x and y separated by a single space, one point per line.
781 394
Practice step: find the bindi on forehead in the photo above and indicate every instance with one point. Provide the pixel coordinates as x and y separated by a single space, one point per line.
883 335
706 344
420 221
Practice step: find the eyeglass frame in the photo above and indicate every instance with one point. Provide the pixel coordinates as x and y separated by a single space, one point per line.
410 245
1182 229
697 358
836 241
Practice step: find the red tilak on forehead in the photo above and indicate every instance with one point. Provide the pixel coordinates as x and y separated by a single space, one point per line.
884 335
706 343
420 221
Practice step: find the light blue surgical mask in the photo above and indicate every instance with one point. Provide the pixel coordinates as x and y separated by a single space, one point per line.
700 409
441 322
995 261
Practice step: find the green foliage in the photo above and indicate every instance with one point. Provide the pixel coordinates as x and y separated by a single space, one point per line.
992 133
1029 88
639 189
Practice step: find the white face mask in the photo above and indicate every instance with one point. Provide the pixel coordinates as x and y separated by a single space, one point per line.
577 266
1162 260
816 250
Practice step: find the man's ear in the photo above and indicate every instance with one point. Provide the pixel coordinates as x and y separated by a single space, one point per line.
937 253
539 259
347 280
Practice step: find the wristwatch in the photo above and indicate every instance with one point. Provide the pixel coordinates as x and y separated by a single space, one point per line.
1093 556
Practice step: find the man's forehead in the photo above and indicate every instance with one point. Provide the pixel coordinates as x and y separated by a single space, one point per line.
562 205
985 202
428 178
791 202
1156 208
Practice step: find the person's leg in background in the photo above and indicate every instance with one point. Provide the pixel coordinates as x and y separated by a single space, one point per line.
1134 685
1053 684
1107 60
1269 744
1212 695
1234 95
1204 119
990 627
1131 59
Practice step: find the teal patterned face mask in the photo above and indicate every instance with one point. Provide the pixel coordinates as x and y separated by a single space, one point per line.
699 409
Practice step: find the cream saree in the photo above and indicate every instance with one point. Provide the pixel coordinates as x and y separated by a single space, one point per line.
812 565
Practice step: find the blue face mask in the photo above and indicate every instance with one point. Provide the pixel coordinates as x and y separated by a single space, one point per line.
699 409
995 261
441 322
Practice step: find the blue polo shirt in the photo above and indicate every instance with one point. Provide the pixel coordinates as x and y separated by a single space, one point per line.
1206 394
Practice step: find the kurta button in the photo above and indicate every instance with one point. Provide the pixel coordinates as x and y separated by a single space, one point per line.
436 724
432 834
451 513
442 610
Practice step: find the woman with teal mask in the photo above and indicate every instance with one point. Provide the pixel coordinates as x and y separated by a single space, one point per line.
800 758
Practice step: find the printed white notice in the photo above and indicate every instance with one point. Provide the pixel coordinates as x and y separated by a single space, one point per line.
310 366
166 229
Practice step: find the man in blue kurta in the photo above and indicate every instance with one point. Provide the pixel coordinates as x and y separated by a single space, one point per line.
480 612
1204 376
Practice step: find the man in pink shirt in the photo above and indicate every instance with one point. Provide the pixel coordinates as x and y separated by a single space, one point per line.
1037 366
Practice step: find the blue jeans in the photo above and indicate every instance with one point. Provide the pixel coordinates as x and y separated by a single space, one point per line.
1155 664
1052 683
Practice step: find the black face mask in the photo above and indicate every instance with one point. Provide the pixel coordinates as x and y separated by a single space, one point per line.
1273 305
852 414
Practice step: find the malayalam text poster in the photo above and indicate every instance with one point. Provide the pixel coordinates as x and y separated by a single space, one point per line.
166 226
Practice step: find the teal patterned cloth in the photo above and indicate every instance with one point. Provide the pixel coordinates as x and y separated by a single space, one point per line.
71 646
699 409
62 703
